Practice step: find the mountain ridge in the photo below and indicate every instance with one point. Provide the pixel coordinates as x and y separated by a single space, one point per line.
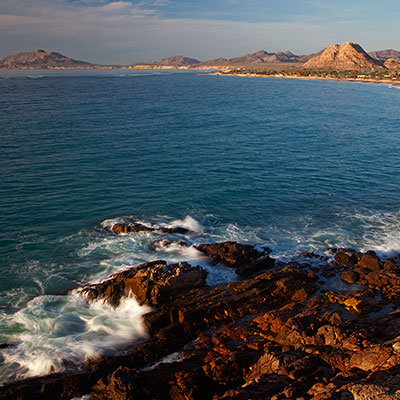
41 59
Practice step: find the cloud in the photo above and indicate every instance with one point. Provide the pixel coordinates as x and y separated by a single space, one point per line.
124 32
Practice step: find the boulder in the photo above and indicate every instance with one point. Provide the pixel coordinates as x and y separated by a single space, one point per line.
231 254
135 227
151 283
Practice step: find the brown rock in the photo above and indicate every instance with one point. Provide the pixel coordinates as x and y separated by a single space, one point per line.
343 257
135 227
120 385
230 253
370 261
349 276
151 283
261 264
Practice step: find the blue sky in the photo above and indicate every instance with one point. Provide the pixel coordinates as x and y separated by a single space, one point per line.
125 31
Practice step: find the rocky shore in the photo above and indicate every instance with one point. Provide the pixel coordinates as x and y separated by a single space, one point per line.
281 331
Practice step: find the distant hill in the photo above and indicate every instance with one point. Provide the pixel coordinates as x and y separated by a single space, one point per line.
392 63
260 57
384 55
348 56
41 59
175 61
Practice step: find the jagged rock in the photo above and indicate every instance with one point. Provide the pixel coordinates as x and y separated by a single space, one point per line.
261 264
349 276
151 283
230 253
346 257
354 302
135 227
120 385
370 261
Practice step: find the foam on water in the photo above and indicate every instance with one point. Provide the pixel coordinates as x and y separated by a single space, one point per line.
54 332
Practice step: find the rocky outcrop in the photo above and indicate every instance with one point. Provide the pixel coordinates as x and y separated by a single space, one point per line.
392 63
152 283
135 227
276 335
348 56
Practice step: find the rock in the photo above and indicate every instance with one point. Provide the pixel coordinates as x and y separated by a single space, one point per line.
370 261
354 302
349 276
135 227
346 257
120 385
6 346
128 228
151 283
230 253
261 264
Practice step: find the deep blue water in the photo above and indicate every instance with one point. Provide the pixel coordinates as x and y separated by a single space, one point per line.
297 165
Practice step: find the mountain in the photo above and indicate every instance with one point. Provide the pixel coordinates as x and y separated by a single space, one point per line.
392 63
40 59
176 61
348 56
384 55
259 57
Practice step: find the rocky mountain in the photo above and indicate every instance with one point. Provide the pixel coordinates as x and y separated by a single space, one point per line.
348 56
176 61
41 59
260 57
384 55
257 58
392 63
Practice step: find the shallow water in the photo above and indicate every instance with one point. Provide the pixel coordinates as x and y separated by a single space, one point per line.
294 165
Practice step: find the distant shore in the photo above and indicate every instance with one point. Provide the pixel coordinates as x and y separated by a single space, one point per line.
395 82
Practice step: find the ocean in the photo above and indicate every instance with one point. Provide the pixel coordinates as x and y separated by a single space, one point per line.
289 164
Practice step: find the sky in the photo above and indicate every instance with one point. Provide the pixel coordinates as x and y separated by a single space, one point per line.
127 31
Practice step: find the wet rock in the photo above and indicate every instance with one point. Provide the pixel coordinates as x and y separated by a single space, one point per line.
370 261
230 253
120 385
128 228
346 257
151 283
261 264
349 276
135 227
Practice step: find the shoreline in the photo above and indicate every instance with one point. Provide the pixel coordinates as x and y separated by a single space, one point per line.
312 77
281 327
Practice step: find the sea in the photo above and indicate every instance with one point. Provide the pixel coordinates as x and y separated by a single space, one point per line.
294 165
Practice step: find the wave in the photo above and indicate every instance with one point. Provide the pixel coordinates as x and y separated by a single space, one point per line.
55 332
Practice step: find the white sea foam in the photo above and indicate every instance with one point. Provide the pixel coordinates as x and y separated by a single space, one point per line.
54 331
51 332
189 223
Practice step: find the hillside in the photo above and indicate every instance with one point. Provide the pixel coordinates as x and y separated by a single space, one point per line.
384 55
41 59
348 56
392 63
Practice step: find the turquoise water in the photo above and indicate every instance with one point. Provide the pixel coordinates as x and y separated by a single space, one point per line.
296 165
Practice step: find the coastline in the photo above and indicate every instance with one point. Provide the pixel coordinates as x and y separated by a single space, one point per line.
311 77
280 328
